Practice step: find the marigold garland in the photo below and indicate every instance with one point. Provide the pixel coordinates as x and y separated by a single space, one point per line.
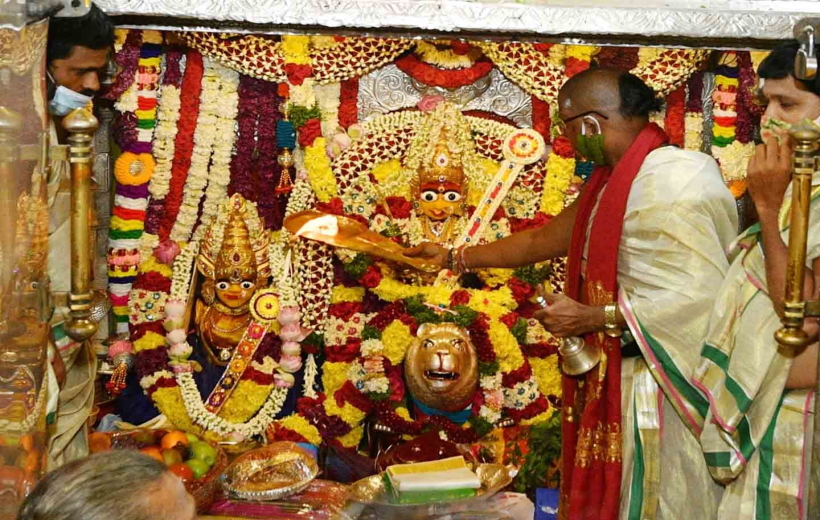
433 76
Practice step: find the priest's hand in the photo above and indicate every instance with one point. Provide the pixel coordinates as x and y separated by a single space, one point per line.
564 317
769 174
431 252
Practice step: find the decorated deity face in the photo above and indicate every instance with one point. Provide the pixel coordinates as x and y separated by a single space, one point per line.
235 292
441 367
440 201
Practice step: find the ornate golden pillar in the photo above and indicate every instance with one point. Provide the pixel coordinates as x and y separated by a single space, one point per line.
81 125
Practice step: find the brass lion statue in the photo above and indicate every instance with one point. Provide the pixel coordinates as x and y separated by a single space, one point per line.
441 367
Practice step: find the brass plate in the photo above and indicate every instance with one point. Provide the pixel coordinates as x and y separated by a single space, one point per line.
345 232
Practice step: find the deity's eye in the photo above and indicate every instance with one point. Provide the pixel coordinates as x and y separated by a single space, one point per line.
429 196
427 344
222 286
452 196
458 344
247 285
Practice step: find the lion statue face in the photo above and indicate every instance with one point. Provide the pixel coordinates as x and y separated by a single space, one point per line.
441 367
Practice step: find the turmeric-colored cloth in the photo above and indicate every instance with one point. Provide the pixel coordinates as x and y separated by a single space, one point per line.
755 432
679 222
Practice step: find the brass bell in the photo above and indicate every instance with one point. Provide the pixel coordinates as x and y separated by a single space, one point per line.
577 357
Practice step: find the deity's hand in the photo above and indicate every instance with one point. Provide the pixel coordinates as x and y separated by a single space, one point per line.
769 174
429 251
564 317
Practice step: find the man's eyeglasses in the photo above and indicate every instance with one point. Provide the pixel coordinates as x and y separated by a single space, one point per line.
561 124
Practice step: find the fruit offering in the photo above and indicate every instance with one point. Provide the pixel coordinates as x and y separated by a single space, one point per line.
186 455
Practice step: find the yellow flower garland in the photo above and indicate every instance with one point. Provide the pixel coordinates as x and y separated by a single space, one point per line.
582 52
547 374
317 164
506 347
245 401
559 173
348 413
334 375
170 404
296 49
352 438
300 425
149 341
396 339
342 294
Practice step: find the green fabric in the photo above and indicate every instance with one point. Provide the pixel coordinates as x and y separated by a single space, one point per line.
636 495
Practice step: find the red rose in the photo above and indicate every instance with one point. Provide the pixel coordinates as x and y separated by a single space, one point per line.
460 48
297 73
399 207
343 353
521 291
522 224
542 47
276 432
371 278
519 375
499 214
411 323
396 384
575 66
309 132
153 281
334 206
509 319
563 148
345 310
460 298
348 393
540 350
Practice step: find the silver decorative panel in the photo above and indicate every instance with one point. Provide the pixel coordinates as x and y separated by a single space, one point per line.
389 89
760 19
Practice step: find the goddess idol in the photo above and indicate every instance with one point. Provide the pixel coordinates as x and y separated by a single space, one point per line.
229 374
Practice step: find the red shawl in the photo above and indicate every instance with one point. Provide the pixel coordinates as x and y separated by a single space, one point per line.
591 452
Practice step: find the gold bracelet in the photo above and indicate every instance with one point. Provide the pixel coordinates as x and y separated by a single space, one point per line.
611 320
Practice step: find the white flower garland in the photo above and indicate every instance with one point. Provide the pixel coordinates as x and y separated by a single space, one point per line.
328 98
212 422
220 172
164 141
204 138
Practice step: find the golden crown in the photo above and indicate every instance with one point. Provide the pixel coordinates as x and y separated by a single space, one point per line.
443 167
243 252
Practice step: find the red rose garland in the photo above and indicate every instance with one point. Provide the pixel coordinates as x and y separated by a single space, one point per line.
184 141
674 121
436 77
349 103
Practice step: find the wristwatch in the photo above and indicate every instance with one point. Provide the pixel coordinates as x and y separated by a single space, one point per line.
611 327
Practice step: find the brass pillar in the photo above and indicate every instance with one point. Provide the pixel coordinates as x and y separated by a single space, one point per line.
81 125
10 125
792 333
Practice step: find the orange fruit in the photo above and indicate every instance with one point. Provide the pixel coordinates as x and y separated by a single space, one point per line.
27 442
174 438
32 463
99 441
154 452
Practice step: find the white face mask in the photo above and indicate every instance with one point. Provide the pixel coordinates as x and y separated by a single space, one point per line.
66 100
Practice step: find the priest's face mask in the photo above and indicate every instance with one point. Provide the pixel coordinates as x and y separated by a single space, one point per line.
787 101
236 291
585 133
440 201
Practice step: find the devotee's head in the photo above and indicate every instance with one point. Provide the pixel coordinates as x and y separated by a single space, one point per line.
606 102
789 99
120 484
78 54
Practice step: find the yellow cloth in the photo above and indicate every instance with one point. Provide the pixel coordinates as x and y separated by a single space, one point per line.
680 219
755 432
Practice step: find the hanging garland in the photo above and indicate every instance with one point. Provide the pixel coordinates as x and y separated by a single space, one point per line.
433 76
133 170
263 57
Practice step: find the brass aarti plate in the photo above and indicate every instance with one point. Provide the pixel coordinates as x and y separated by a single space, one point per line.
373 491
345 232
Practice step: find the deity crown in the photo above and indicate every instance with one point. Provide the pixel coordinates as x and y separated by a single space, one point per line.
242 254
443 168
